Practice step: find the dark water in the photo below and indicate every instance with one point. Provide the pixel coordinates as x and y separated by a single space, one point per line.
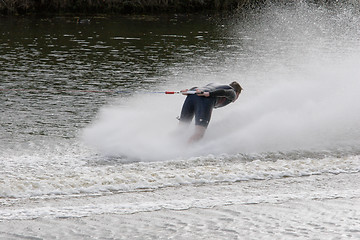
51 61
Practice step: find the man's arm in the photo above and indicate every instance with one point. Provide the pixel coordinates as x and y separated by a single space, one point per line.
227 93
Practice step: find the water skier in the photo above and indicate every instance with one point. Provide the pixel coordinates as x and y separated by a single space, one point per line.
203 102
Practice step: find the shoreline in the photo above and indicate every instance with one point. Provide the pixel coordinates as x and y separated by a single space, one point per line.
33 7
123 7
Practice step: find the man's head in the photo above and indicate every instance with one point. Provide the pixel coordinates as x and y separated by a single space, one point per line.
236 86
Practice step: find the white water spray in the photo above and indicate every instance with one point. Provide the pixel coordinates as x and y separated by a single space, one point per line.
299 69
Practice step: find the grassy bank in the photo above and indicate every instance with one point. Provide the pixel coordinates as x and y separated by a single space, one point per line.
117 6
22 7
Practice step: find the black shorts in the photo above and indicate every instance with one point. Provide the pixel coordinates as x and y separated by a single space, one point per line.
200 107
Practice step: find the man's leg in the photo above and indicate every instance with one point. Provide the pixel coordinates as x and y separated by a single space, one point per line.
198 133
187 111
202 117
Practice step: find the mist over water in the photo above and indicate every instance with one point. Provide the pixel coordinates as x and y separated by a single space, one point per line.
298 65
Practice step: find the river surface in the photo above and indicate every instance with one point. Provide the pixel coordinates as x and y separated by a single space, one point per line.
90 147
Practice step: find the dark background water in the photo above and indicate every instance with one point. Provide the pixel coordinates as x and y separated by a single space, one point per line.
64 71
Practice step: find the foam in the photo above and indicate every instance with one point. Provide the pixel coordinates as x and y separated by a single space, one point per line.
61 175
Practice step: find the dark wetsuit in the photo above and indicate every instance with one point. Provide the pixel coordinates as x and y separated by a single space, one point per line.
201 107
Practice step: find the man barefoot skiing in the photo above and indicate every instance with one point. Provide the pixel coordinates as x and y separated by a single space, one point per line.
203 102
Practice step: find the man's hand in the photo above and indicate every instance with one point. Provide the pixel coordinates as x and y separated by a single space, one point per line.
184 92
202 93
197 92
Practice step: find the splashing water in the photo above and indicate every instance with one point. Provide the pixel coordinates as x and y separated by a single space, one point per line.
298 65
